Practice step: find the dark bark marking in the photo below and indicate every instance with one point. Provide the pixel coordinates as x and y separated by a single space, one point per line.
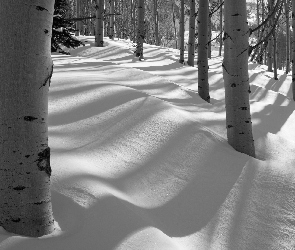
233 85
237 14
29 118
47 78
15 220
44 161
40 8
243 108
46 31
19 188
27 156
229 126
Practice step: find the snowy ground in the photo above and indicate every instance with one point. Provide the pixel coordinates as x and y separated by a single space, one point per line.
141 162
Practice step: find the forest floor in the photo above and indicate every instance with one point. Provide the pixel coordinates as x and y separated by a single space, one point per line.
139 161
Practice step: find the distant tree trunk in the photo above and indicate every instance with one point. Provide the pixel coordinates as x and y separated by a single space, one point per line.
140 30
209 32
258 16
26 70
203 85
270 41
111 27
287 14
221 28
77 32
191 39
174 25
99 23
293 49
181 32
275 56
236 78
156 22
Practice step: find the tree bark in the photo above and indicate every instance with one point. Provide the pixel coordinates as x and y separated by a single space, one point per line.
270 41
221 28
293 49
287 5
181 32
26 69
203 18
111 27
77 32
236 77
140 30
156 22
191 38
99 23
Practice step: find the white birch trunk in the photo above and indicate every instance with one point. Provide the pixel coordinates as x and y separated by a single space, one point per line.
99 23
236 78
26 69
203 18
111 28
191 39
181 32
293 49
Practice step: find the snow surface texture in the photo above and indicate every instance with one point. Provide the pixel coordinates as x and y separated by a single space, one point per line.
141 162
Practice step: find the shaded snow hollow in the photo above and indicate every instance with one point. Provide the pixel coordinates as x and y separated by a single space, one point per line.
141 162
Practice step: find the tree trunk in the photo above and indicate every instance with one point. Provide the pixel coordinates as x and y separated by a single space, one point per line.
275 53
181 32
293 49
156 20
26 69
221 28
236 78
99 23
287 5
77 32
174 25
140 30
111 27
191 38
270 41
203 86
209 32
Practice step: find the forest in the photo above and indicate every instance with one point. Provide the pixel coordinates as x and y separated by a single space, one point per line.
147 124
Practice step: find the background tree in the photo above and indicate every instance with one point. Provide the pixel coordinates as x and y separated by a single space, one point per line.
61 29
26 69
140 30
181 32
111 27
191 39
203 18
99 23
293 49
236 78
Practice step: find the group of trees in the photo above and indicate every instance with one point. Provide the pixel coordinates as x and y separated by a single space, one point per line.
25 205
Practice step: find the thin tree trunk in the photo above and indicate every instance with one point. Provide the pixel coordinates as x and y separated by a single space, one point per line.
181 32
221 28
140 30
209 32
99 23
26 70
270 41
174 26
156 22
275 53
293 49
191 39
111 27
287 5
203 85
236 77
77 32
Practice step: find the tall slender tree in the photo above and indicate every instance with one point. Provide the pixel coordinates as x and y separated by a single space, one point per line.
111 27
99 23
287 14
181 32
203 18
26 70
221 27
293 49
156 22
236 77
140 30
191 39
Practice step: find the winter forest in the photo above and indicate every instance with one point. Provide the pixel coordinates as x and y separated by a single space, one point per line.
147 124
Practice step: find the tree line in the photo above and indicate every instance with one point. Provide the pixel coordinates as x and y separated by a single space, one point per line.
25 204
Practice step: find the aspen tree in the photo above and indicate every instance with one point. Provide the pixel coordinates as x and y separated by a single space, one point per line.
26 70
181 32
293 49
191 39
236 77
99 7
140 30
203 18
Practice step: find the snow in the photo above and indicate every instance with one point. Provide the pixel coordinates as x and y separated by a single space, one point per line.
139 161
